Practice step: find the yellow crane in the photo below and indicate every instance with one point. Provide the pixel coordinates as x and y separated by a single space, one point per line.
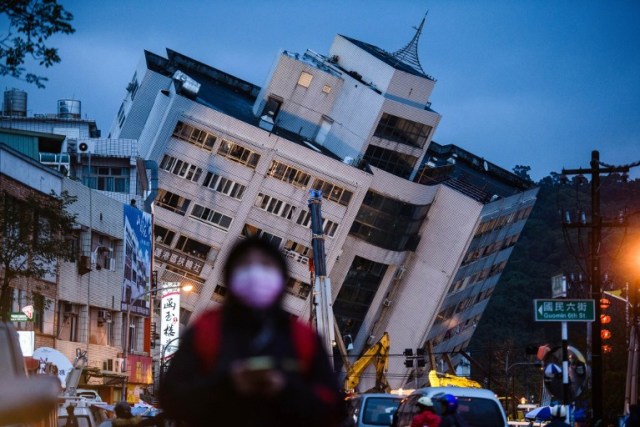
378 354
447 380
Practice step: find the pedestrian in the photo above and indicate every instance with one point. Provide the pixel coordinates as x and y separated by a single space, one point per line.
449 411
426 417
251 363
558 415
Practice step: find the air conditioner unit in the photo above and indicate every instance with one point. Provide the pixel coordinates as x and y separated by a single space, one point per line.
118 365
86 146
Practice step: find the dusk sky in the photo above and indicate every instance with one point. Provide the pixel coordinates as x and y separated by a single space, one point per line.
540 83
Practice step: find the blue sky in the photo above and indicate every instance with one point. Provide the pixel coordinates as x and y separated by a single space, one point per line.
519 82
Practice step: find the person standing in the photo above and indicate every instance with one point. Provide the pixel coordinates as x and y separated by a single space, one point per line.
427 416
250 363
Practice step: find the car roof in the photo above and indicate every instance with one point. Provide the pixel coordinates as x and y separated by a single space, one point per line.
377 395
456 391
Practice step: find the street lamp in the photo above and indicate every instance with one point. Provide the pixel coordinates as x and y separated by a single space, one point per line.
125 352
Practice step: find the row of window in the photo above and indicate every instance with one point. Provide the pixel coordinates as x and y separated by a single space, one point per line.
292 249
181 168
329 227
288 174
184 244
195 136
402 130
478 277
501 221
180 205
396 163
224 185
486 250
333 192
114 179
275 206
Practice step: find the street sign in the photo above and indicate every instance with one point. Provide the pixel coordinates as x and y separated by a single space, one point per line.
566 310
18 317
559 286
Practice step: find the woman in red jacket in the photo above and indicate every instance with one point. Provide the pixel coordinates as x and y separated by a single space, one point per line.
427 416
250 363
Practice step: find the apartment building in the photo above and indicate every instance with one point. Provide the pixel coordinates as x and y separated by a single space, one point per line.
236 159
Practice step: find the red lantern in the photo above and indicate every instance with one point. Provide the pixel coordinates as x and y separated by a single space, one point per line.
605 319
606 349
604 303
605 334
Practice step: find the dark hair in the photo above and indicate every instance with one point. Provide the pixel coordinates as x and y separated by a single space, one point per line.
254 243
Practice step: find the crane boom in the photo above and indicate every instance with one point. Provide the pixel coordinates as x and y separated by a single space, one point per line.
377 354
322 286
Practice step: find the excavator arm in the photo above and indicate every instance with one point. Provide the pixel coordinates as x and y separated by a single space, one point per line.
377 354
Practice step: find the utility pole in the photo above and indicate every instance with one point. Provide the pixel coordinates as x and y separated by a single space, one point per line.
595 225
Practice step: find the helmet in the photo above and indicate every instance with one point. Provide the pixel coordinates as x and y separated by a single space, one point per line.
449 403
425 401
558 411
122 410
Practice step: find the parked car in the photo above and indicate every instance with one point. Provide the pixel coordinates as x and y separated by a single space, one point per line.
372 409
478 407
89 395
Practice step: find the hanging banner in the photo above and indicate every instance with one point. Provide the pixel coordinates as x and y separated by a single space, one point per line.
137 261
170 319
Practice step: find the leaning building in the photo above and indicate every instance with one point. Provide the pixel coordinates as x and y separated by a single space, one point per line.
417 233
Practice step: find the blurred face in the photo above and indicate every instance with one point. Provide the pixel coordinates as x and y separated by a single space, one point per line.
256 280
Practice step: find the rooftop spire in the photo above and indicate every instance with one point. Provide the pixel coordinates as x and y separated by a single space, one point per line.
409 53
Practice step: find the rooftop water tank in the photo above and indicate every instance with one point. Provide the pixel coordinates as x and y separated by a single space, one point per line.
15 103
69 109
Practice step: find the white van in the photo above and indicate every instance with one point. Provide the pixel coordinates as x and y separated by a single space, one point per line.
478 407
371 409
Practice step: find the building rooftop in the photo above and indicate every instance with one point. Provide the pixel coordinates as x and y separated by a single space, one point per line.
388 58
223 92
470 174
94 132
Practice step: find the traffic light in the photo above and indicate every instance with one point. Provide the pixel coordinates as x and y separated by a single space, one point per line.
421 359
408 354
605 319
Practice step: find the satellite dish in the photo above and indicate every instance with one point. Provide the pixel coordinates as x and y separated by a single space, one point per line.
53 356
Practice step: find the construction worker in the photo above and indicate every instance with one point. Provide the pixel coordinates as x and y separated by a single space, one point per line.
426 416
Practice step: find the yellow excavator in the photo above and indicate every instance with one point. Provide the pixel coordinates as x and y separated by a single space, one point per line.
447 380
378 355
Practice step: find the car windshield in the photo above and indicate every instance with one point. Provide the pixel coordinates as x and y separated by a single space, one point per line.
379 410
83 421
479 412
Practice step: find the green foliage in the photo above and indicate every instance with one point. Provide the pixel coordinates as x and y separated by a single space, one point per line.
31 24
33 238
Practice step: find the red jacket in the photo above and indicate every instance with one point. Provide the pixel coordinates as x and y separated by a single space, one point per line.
426 418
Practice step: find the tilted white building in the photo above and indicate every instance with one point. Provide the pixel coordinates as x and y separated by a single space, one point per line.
404 217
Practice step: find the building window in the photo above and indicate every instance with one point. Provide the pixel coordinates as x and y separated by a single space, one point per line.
388 223
172 202
121 115
209 216
106 178
402 130
192 135
288 174
272 107
192 247
390 161
305 79
357 293
220 290
329 227
224 185
163 235
333 192
326 89
296 251
251 230
181 168
275 206
298 289
238 153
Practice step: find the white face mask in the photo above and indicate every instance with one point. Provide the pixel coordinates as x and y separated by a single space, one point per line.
257 286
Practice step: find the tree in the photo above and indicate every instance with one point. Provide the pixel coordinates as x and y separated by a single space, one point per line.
33 239
522 171
31 23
